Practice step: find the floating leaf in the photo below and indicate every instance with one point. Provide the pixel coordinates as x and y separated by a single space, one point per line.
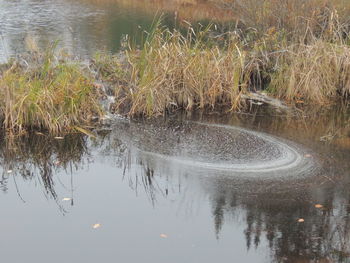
95 226
163 235
89 133
66 199
301 220
318 206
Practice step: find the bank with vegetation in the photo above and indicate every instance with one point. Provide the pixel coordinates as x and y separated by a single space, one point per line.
297 51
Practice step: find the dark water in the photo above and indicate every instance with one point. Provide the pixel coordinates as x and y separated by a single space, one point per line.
200 188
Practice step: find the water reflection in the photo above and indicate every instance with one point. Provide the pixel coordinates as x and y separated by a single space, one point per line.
40 157
269 209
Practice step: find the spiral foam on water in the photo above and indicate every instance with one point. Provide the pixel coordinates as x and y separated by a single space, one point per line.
224 149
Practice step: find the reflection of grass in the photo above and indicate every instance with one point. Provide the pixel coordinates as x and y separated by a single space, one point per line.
38 154
48 94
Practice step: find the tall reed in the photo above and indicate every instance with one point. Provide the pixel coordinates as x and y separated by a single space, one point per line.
317 73
173 70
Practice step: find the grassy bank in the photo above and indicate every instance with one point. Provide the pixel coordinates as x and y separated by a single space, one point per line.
46 92
173 71
307 62
298 51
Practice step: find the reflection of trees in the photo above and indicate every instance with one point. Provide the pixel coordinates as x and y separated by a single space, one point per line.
271 209
273 215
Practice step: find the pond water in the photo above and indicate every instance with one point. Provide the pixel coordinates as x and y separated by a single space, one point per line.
257 187
84 27
81 28
154 207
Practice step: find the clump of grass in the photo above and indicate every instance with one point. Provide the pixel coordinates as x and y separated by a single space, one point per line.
298 55
110 68
46 93
316 73
298 49
173 71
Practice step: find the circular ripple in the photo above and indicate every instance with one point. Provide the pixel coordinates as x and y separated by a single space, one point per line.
221 148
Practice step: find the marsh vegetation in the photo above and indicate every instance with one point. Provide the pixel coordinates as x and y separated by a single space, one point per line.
297 51
201 68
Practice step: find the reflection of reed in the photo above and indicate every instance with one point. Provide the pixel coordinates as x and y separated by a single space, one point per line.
34 155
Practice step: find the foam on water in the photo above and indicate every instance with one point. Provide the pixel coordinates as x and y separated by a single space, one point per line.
222 149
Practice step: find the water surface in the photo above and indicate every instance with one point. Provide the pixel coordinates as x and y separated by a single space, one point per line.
84 27
153 209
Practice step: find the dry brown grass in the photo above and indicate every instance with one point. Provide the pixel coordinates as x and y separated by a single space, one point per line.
300 20
173 71
198 70
317 73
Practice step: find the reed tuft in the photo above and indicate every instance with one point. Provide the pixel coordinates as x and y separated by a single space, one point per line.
45 92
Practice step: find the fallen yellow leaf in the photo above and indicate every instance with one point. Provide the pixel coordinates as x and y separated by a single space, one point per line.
66 199
59 138
318 206
163 236
301 220
96 226
84 131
